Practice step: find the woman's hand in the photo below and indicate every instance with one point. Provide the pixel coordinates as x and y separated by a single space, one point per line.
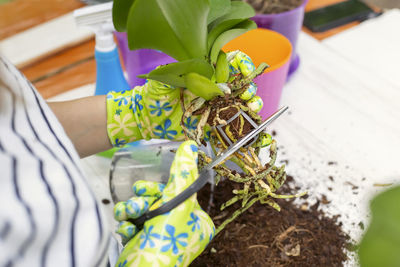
154 110
175 238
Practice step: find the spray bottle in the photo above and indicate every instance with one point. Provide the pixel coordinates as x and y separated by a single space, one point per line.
109 76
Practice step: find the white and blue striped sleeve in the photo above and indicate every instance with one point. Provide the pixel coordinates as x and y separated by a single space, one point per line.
48 215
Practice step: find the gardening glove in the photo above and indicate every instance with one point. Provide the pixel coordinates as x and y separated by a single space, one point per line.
175 238
154 110
241 64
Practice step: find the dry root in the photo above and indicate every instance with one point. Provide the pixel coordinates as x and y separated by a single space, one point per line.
259 182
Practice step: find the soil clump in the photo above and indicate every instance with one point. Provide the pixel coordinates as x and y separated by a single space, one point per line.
226 108
262 236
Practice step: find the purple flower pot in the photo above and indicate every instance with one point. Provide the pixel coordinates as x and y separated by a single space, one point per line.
288 24
139 61
263 45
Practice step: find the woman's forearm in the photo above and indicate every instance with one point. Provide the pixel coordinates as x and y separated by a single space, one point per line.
85 122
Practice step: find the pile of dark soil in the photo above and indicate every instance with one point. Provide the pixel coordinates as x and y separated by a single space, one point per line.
273 6
262 236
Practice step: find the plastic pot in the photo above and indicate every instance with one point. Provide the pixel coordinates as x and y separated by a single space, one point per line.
139 61
263 45
287 23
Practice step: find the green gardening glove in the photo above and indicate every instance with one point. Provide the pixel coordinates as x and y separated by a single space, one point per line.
154 110
175 238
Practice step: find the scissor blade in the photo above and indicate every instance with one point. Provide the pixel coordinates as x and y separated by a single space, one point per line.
234 147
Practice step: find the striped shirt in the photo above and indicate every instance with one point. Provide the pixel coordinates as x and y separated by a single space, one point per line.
48 214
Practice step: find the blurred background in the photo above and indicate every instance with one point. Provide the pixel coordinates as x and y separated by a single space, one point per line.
59 60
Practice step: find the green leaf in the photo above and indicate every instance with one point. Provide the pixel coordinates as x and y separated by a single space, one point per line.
222 68
239 12
380 245
229 35
175 27
218 8
173 73
120 13
201 86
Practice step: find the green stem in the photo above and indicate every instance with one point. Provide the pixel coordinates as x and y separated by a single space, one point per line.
248 79
272 153
236 214
287 196
239 163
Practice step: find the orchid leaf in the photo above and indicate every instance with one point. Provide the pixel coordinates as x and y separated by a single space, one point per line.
120 13
173 73
202 86
229 35
380 245
218 8
239 12
175 27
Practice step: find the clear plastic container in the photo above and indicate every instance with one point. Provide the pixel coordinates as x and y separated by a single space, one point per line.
150 160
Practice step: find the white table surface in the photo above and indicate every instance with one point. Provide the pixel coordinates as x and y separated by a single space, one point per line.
342 110
342 113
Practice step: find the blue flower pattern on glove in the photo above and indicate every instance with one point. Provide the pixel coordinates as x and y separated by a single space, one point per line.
190 124
121 101
131 100
201 236
207 136
248 63
185 174
233 70
158 108
195 221
179 261
120 142
164 133
147 236
126 230
141 191
137 107
194 148
212 235
173 239
122 264
161 187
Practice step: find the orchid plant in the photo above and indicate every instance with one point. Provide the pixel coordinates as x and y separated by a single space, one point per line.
194 32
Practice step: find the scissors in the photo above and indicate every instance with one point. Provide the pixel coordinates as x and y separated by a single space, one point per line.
203 175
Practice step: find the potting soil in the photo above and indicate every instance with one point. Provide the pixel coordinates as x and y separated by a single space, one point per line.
262 236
